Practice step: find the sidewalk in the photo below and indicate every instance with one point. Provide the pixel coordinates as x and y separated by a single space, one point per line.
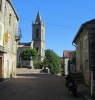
5 81
85 91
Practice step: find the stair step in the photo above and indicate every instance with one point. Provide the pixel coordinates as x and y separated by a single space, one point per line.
76 73
78 77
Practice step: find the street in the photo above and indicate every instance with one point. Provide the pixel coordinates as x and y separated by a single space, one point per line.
36 86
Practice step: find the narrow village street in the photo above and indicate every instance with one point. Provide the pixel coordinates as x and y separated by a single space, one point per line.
29 85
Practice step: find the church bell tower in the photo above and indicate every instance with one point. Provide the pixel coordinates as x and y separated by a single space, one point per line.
38 36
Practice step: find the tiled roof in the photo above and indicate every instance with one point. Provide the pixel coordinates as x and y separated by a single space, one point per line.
66 53
24 44
83 26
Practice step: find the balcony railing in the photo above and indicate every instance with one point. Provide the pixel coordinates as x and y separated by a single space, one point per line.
19 36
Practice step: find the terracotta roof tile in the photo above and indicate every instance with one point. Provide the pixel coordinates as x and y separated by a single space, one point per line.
20 45
66 53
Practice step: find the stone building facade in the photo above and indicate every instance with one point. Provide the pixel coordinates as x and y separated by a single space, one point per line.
72 55
38 36
66 66
20 62
38 40
82 51
2 5
9 20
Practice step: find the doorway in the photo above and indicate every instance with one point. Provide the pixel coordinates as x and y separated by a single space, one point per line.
7 68
0 67
93 75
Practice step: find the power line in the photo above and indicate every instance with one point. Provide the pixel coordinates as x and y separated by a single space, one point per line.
50 24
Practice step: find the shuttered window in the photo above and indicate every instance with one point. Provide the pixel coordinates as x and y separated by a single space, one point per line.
10 19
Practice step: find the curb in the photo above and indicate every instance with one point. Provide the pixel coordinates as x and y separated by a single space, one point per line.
5 82
85 96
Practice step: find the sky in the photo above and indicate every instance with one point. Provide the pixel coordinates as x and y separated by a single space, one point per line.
62 19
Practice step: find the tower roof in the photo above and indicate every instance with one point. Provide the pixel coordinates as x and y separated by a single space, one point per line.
38 18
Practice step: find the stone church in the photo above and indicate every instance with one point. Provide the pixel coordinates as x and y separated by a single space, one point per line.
38 41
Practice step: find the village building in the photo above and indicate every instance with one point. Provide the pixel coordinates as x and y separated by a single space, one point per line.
85 50
8 39
66 63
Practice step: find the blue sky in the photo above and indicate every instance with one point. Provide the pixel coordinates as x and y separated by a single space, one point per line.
68 14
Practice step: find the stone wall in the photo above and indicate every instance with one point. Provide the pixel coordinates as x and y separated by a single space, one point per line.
11 46
81 61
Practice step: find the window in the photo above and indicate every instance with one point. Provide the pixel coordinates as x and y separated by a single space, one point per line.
0 32
10 18
37 49
0 5
37 34
85 44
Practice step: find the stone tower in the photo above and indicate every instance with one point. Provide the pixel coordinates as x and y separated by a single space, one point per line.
38 36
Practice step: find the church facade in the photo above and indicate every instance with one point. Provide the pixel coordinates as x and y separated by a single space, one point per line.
38 41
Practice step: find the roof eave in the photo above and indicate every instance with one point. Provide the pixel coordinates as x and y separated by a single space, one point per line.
80 29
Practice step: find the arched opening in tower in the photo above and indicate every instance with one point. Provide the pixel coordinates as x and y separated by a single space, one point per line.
37 34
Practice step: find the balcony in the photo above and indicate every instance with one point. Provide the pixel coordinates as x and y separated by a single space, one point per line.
2 50
19 36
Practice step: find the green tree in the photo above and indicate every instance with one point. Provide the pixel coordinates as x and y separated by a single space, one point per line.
52 61
27 53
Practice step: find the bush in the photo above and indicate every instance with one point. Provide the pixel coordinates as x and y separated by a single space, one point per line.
38 65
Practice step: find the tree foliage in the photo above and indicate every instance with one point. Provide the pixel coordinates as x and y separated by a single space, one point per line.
52 61
27 53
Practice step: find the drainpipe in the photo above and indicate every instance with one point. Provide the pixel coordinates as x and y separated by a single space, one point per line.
73 44
75 47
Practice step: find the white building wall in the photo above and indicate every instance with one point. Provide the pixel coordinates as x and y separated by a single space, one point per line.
66 65
9 65
1 33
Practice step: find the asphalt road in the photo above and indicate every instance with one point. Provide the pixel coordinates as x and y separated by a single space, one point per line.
36 86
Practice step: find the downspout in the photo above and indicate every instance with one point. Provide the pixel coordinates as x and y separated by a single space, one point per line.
73 44
75 47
